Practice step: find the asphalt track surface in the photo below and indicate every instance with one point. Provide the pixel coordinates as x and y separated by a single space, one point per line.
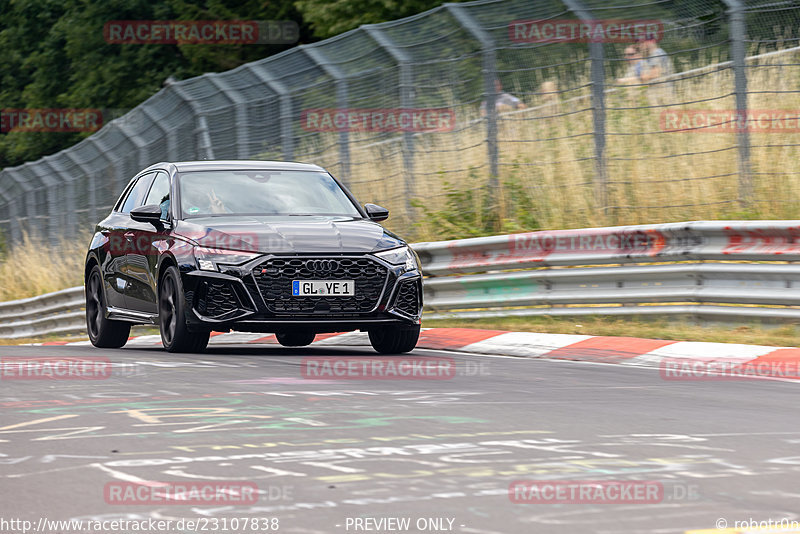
325 453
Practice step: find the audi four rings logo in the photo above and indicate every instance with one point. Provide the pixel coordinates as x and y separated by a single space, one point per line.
322 265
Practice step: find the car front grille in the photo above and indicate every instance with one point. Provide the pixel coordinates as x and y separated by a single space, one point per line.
274 279
407 300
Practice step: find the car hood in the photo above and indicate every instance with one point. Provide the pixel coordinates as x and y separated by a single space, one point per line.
283 235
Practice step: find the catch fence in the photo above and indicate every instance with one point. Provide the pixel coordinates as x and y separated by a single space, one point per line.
588 146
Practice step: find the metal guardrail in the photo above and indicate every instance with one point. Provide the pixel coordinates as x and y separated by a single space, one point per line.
732 270
736 270
53 313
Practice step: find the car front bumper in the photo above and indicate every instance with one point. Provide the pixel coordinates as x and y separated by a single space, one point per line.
257 297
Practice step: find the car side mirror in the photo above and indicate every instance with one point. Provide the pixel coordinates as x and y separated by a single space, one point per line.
376 213
150 213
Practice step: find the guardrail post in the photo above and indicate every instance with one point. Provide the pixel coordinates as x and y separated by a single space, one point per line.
285 99
318 56
738 32
598 77
489 75
403 61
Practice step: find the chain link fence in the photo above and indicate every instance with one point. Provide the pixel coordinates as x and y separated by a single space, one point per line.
582 143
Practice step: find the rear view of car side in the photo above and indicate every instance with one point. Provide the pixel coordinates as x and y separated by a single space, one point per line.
283 248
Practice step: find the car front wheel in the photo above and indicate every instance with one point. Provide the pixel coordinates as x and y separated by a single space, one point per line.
394 339
175 334
103 332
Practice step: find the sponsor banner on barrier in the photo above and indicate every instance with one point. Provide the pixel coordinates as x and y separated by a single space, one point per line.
765 240
378 120
207 32
730 121
580 31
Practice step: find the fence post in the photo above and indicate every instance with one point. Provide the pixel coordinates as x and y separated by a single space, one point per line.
241 123
489 75
285 98
11 214
598 81
406 101
27 195
14 226
738 31
67 198
318 56
141 146
91 209
121 179
204 148
55 215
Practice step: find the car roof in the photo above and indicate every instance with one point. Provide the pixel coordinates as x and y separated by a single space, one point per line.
223 165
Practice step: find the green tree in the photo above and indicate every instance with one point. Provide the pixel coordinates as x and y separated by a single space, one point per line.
332 17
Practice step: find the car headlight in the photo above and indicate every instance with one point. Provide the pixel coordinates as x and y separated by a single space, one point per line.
400 256
209 258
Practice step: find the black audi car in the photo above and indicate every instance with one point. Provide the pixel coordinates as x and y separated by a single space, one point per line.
253 246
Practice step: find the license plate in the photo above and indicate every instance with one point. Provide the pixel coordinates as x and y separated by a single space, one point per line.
325 288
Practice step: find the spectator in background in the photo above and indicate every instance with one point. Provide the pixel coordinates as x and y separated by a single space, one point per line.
635 65
503 101
655 62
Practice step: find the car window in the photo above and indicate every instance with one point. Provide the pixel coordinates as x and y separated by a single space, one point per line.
137 194
159 193
265 192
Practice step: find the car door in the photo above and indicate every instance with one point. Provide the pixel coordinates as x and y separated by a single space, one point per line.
142 256
117 233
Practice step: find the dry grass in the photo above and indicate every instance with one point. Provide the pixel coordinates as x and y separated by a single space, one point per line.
653 176
33 267
780 336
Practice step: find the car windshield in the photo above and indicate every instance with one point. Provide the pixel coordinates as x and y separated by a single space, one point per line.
219 193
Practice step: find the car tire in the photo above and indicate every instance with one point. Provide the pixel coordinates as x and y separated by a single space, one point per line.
296 338
394 339
175 333
104 333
